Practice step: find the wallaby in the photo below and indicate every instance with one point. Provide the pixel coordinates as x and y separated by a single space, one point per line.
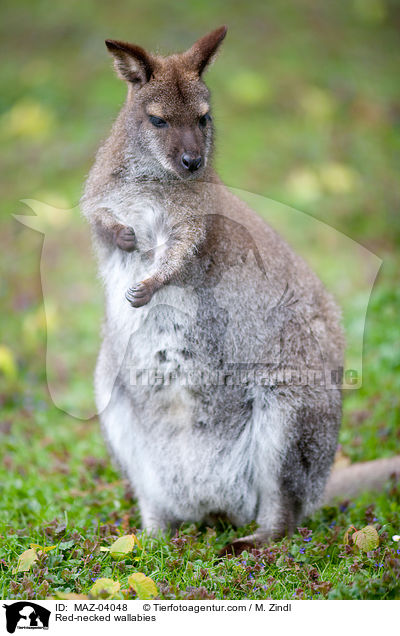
212 322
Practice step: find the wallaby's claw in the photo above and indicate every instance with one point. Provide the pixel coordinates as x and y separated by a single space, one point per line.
139 294
125 238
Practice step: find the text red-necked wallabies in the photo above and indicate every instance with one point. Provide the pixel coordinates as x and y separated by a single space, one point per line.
214 381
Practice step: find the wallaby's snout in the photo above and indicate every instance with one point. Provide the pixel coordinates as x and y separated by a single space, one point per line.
169 111
192 148
190 163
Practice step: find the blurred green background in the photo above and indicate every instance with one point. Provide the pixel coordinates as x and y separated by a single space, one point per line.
307 109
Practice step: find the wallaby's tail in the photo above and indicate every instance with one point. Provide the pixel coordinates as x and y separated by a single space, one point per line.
360 477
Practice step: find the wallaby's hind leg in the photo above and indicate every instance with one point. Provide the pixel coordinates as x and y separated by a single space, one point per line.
277 517
153 522
274 522
269 432
117 422
119 419
294 455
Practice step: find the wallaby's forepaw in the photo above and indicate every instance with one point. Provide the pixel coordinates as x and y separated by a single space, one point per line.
125 238
140 294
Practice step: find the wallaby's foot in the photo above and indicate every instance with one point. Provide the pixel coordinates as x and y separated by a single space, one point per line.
250 542
125 238
140 294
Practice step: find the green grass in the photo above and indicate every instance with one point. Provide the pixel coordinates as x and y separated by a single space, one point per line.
306 108
67 495
58 488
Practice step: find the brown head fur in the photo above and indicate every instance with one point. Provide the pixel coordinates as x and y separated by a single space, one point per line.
168 109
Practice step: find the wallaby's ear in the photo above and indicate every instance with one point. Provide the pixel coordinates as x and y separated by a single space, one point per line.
132 63
204 51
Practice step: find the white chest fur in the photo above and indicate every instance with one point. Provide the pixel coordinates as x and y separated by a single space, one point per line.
131 329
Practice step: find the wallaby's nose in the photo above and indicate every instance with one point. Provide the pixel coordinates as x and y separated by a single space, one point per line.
190 163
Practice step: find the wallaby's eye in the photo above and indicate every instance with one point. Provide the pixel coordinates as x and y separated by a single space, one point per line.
158 122
204 120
